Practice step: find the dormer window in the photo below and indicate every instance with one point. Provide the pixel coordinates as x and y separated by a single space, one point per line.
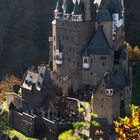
57 15
66 16
86 62
109 92
117 21
29 83
41 74
58 57
39 84
77 18
26 81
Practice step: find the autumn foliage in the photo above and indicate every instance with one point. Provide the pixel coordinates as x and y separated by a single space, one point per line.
128 128
7 84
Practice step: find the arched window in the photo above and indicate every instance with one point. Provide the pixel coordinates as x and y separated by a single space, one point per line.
85 60
57 57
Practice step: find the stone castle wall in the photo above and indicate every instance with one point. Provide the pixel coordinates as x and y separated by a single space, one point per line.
73 37
98 65
15 99
22 122
33 98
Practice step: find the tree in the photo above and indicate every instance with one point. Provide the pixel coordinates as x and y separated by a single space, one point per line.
128 128
82 126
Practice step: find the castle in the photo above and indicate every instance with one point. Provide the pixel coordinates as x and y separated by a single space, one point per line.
88 62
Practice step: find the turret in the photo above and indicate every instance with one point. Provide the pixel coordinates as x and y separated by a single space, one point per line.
77 12
87 10
117 21
117 15
58 10
117 18
67 9
122 3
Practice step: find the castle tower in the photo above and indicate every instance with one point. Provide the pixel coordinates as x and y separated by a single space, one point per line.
89 55
72 32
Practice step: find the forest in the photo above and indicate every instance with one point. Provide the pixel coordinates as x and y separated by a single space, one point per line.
25 27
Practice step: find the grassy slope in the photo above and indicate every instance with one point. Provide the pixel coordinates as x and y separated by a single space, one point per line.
5 128
19 135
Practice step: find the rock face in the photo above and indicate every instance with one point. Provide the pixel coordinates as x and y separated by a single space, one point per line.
25 27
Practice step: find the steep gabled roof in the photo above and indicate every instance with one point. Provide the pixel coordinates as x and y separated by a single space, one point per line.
120 78
30 79
46 80
99 44
117 80
40 81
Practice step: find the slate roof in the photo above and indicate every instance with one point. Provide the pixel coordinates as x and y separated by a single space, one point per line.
99 44
93 10
104 15
117 8
123 55
29 80
107 8
117 80
46 81
77 10
67 6
59 6
39 81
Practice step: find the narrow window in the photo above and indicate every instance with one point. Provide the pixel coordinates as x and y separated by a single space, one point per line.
85 60
91 61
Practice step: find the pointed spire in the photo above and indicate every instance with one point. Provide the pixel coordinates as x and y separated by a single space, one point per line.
59 6
77 10
99 44
67 6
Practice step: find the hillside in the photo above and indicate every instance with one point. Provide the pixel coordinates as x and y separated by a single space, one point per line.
25 26
24 30
132 22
